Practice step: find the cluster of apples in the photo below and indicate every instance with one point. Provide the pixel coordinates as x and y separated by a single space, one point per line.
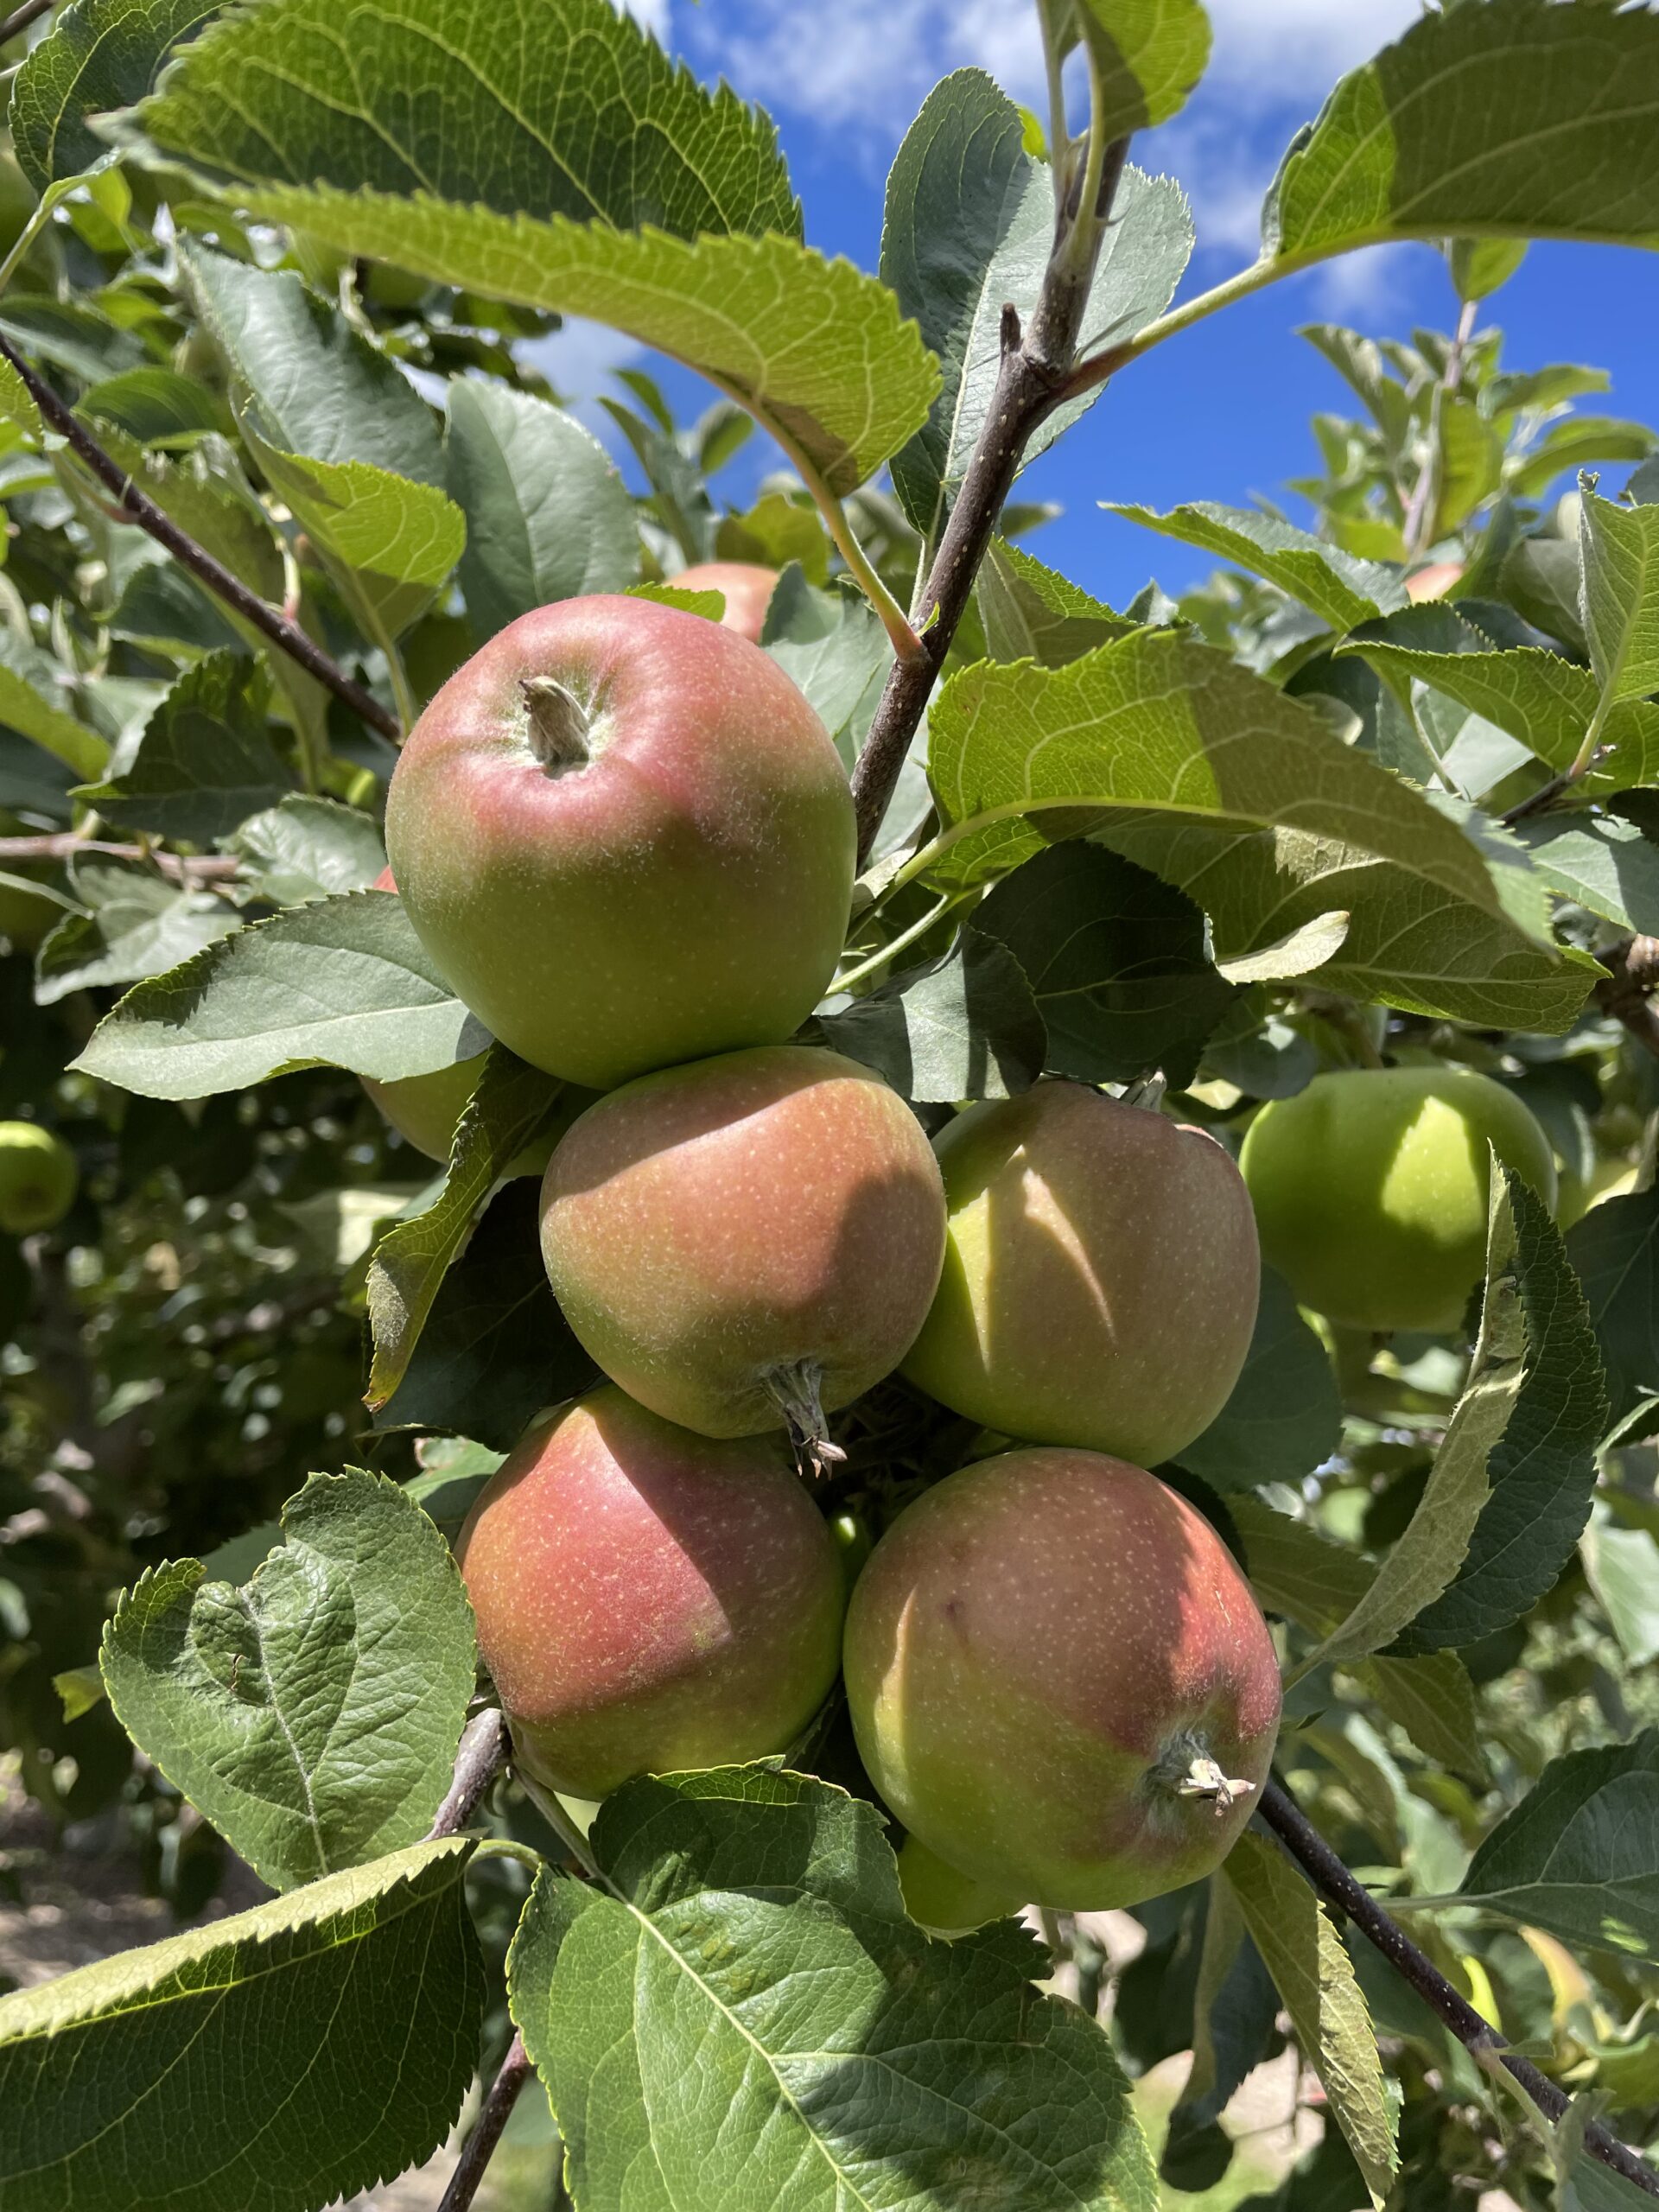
628 840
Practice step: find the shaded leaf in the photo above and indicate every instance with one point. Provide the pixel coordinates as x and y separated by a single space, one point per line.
331 2034
1614 1251
1284 1418
966 1027
135 923
205 761
313 1717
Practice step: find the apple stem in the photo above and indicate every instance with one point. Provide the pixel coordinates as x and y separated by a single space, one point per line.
559 728
794 1386
1148 1093
1189 1771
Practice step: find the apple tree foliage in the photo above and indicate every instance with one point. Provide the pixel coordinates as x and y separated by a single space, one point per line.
283 266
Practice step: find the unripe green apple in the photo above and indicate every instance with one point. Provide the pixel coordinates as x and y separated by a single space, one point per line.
744 1240
625 838
648 1600
425 1108
1371 1189
747 587
38 1178
1101 1280
1059 1682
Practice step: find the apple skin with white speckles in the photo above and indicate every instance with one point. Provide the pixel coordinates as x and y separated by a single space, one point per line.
1034 1654
747 586
648 1600
709 1225
1101 1275
669 876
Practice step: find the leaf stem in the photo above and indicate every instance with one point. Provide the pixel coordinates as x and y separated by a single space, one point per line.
879 960
140 508
1337 1885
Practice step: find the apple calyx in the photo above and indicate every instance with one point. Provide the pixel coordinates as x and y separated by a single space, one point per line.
1188 1770
557 724
795 1388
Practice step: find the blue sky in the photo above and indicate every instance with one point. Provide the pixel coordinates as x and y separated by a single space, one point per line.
1220 412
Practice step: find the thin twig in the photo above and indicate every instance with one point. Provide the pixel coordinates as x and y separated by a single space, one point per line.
286 635
480 1757
65 845
1626 992
21 18
1334 1882
516 2071
1031 383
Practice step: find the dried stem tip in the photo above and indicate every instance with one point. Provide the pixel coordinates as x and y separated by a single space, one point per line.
558 724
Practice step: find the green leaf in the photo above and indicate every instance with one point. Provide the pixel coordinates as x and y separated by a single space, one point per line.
314 386
570 111
1622 1566
548 516
1579 443
1604 865
1556 146
1117 960
312 1717
831 646
1341 590
1545 701
969 227
1284 1418
1150 53
135 925
1432 1699
203 762
1296 1571
1620 547
1482 266
1614 1253
965 1027
275 2061
17 405
495 1348
1540 1472
1032 613
1185 762
305 848
344 982
1314 944
154 404
779 529
1312 1971
738 2011
28 678
511 1106
1579 1855
100 54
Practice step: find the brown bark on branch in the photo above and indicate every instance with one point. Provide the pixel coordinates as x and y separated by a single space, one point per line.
21 18
1627 991
286 636
65 845
1030 386
1334 1883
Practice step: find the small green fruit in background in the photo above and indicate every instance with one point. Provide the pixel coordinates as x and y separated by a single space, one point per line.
1061 1682
1371 1189
1102 1277
648 1600
38 1178
746 1240
747 587
624 836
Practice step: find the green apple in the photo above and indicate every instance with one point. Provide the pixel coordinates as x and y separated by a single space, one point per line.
1371 1189
1101 1280
1060 1683
625 838
747 586
745 1241
648 1600
38 1178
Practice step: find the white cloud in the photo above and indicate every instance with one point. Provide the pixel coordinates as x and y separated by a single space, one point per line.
653 14
1280 50
578 360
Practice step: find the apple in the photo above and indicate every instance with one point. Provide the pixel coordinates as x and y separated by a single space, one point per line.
625 838
746 1240
425 1108
648 1600
1101 1280
1060 1683
747 586
1433 582
38 1178
1371 1189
